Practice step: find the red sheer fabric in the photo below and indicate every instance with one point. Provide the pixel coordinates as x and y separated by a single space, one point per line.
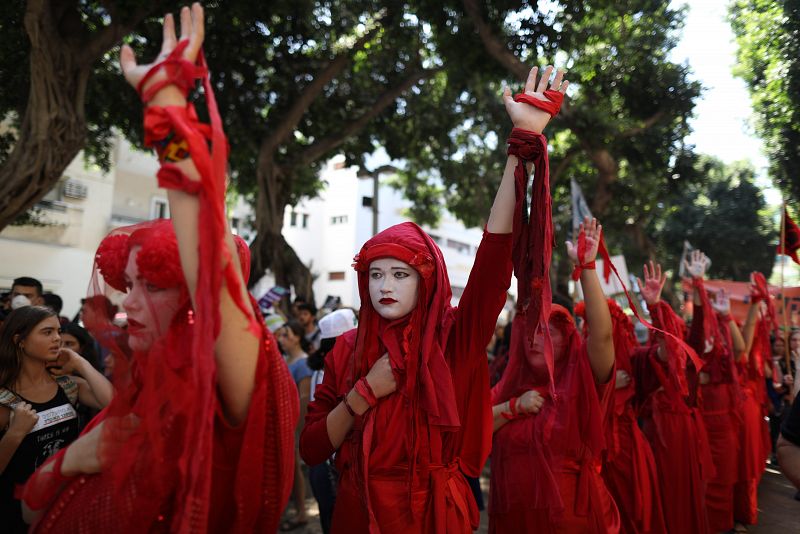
628 466
401 464
754 432
181 455
720 403
546 467
675 431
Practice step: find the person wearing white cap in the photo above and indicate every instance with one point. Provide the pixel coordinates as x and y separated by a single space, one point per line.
323 476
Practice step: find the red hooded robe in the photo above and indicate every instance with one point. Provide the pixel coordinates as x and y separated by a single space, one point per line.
401 464
675 431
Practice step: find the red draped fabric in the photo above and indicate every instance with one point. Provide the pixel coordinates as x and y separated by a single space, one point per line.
720 403
674 430
754 431
182 469
401 465
546 467
628 467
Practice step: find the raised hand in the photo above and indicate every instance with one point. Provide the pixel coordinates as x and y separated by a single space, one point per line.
592 230
530 402
529 117
697 264
722 302
653 283
192 29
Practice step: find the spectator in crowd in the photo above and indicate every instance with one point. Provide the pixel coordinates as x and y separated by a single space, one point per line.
306 314
789 445
30 355
28 287
323 476
55 303
295 346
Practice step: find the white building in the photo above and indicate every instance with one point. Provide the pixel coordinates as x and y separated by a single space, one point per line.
328 231
79 211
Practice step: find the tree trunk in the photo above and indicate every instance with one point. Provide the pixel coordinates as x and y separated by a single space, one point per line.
53 128
270 250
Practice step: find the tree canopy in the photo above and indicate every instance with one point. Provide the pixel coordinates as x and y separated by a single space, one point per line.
768 35
300 81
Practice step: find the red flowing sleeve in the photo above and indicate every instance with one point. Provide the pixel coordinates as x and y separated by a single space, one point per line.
315 445
697 339
485 295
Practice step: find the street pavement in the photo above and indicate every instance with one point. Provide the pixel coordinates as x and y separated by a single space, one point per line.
779 512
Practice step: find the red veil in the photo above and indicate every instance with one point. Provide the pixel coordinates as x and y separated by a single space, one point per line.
180 466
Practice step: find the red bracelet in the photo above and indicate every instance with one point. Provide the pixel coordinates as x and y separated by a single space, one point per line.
363 388
348 407
512 406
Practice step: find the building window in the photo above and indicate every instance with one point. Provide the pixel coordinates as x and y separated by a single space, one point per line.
293 218
366 202
339 219
159 208
463 248
336 275
305 220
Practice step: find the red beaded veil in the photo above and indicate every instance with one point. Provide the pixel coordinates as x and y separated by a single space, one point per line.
170 461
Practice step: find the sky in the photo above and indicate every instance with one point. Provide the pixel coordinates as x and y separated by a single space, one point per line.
722 123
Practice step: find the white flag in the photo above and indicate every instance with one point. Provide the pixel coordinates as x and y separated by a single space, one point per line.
580 210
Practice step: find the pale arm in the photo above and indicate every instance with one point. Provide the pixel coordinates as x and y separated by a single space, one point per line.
526 117
236 348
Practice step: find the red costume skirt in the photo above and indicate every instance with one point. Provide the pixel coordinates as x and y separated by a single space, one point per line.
631 476
579 489
755 446
680 449
716 406
444 505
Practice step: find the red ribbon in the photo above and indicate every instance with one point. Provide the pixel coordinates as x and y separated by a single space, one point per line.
576 272
551 106
179 72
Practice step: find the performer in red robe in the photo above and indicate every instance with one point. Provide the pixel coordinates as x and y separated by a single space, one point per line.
754 434
674 430
200 433
628 465
716 338
405 401
547 459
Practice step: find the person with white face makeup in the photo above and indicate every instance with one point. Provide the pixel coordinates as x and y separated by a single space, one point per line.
404 402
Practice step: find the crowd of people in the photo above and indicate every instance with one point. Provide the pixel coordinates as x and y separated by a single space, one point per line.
218 415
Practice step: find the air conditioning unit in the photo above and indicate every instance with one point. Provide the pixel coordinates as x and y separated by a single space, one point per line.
75 189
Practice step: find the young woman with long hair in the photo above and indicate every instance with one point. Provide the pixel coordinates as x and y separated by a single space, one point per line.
39 394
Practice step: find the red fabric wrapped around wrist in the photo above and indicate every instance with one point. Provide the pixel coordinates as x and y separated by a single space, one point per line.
512 407
347 406
363 388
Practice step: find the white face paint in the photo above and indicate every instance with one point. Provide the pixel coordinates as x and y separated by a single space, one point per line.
393 287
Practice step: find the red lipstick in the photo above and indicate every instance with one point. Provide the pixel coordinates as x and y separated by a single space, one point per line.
387 300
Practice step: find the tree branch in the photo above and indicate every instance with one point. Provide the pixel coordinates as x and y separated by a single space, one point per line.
317 149
644 126
115 31
563 164
494 46
298 108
